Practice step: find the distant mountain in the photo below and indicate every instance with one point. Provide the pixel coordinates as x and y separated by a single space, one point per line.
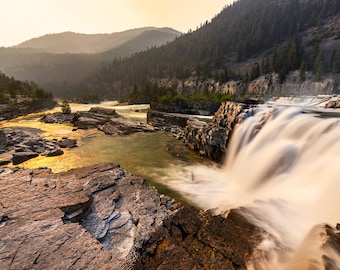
247 39
34 60
70 42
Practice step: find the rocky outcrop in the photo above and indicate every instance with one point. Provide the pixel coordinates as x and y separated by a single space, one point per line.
333 103
57 118
193 239
167 121
211 139
123 126
9 111
104 119
196 107
94 117
21 144
96 217
264 86
102 217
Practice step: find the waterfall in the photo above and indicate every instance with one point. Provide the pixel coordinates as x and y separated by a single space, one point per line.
282 167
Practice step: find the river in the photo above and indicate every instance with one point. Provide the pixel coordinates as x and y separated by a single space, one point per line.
143 154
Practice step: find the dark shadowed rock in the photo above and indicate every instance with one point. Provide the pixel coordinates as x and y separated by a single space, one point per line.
123 126
67 143
166 120
211 139
23 144
57 118
104 111
20 157
197 107
193 239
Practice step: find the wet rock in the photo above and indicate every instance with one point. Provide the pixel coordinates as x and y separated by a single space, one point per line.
57 118
193 239
211 139
104 111
67 143
23 144
123 126
168 120
20 157
54 152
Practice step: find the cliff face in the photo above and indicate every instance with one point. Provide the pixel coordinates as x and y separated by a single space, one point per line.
211 139
266 85
269 85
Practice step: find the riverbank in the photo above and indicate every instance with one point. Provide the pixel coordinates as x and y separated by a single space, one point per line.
12 110
102 217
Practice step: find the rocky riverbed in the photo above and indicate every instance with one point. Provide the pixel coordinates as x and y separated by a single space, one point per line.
20 144
104 119
102 217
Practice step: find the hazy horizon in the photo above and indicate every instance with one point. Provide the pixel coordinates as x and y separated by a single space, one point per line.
29 19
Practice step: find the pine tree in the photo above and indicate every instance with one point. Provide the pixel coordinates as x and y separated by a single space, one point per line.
319 66
303 69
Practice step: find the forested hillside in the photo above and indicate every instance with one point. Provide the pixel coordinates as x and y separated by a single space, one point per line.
54 71
12 90
75 43
245 40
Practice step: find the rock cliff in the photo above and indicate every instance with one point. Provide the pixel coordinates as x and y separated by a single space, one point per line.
211 139
264 86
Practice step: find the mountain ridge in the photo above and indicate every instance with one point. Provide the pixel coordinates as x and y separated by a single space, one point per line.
72 42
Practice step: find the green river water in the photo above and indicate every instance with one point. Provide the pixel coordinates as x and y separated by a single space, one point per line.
143 154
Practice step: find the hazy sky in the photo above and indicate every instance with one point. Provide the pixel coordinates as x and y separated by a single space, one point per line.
21 20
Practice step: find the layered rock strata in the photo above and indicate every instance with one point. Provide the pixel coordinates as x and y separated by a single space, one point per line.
164 120
211 139
96 217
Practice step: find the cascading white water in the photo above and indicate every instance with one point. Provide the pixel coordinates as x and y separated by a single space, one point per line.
283 166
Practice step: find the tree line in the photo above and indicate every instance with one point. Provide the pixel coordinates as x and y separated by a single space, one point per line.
242 30
12 89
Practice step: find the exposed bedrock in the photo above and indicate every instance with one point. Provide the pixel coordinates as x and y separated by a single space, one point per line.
102 217
211 139
90 218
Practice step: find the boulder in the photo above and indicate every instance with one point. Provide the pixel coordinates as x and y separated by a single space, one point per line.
67 143
166 120
57 118
123 126
88 122
104 111
20 157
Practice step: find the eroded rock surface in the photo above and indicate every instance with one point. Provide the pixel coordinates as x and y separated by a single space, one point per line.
211 139
96 217
194 239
